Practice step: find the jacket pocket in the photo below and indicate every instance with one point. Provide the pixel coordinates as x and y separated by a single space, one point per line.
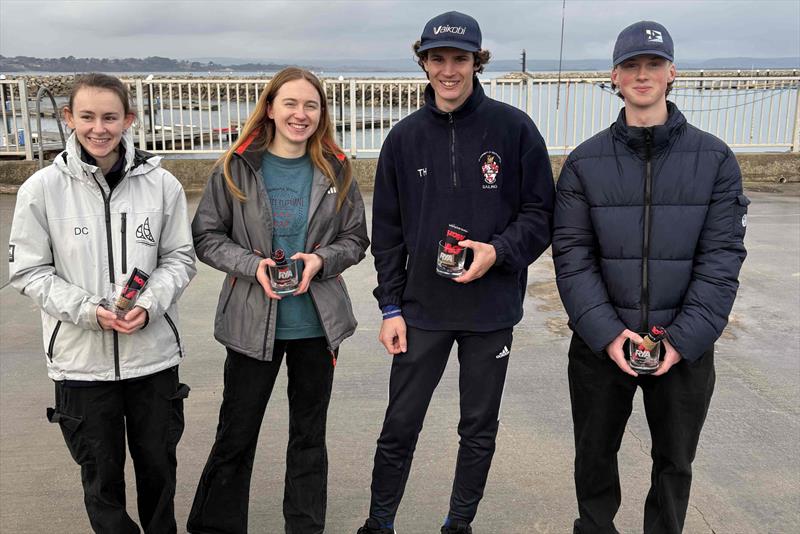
53 341
739 225
174 329
346 297
230 294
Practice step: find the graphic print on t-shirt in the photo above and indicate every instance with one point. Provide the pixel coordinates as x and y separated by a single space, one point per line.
289 212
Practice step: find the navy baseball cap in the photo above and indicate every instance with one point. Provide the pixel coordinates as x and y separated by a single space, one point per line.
453 30
643 37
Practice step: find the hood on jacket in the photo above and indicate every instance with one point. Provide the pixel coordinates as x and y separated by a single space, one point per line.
136 161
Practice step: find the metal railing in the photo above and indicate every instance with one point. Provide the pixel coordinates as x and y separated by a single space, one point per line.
203 116
15 131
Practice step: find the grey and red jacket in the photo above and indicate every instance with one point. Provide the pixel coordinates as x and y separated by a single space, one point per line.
649 230
483 167
235 236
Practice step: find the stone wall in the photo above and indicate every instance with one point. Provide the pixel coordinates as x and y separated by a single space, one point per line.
757 170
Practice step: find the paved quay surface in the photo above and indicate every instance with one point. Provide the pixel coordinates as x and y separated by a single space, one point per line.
747 472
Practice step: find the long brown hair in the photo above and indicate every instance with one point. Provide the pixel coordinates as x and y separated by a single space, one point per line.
260 130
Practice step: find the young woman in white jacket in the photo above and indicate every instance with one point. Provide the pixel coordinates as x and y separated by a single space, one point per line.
81 226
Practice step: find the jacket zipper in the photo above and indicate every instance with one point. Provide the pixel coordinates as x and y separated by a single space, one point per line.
112 279
174 331
53 341
648 186
453 149
261 187
266 330
124 231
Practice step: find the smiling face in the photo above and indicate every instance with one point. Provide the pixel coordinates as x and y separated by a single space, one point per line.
98 118
642 81
450 72
296 111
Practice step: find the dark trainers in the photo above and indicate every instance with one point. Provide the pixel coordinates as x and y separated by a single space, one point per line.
457 527
371 526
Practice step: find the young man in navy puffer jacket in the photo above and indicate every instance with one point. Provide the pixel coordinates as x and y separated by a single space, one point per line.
649 228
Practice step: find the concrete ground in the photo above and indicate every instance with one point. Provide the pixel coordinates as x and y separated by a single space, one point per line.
747 473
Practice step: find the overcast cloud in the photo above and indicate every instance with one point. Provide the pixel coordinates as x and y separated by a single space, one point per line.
342 29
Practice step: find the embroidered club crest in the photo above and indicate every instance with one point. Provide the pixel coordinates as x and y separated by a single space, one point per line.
490 167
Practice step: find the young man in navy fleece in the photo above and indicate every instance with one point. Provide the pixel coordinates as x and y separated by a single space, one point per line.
649 228
470 161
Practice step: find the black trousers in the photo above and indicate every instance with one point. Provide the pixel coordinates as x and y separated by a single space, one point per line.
223 493
483 359
94 421
675 404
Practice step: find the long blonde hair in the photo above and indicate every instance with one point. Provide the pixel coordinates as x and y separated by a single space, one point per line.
260 130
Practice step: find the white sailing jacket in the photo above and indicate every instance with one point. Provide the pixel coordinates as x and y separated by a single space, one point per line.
71 240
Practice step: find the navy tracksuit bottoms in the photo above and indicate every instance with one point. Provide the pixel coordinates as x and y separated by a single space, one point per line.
483 359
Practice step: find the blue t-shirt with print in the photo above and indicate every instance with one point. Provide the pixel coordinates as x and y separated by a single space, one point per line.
288 184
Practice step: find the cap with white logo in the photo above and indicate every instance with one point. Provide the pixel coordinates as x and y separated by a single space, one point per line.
643 37
451 30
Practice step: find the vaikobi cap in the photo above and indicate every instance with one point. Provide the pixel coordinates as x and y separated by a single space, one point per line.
643 37
451 29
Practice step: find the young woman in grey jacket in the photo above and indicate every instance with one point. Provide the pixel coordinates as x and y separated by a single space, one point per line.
283 186
82 226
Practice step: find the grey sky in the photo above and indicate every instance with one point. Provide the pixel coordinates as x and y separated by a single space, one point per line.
338 29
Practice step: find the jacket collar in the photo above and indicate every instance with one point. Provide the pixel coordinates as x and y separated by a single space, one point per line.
471 104
251 152
136 161
661 135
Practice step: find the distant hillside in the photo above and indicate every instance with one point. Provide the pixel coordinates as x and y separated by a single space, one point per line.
222 64
148 64
541 65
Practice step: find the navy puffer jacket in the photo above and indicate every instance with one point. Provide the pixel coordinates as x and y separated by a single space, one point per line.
649 230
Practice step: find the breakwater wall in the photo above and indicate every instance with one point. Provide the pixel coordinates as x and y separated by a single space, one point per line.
231 86
757 170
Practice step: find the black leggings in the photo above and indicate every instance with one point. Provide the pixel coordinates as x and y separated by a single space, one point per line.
223 493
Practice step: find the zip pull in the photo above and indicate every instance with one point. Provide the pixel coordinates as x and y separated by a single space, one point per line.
124 231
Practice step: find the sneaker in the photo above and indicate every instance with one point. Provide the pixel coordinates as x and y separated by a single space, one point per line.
457 527
371 526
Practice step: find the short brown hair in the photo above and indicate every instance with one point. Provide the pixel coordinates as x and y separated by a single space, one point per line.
481 57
